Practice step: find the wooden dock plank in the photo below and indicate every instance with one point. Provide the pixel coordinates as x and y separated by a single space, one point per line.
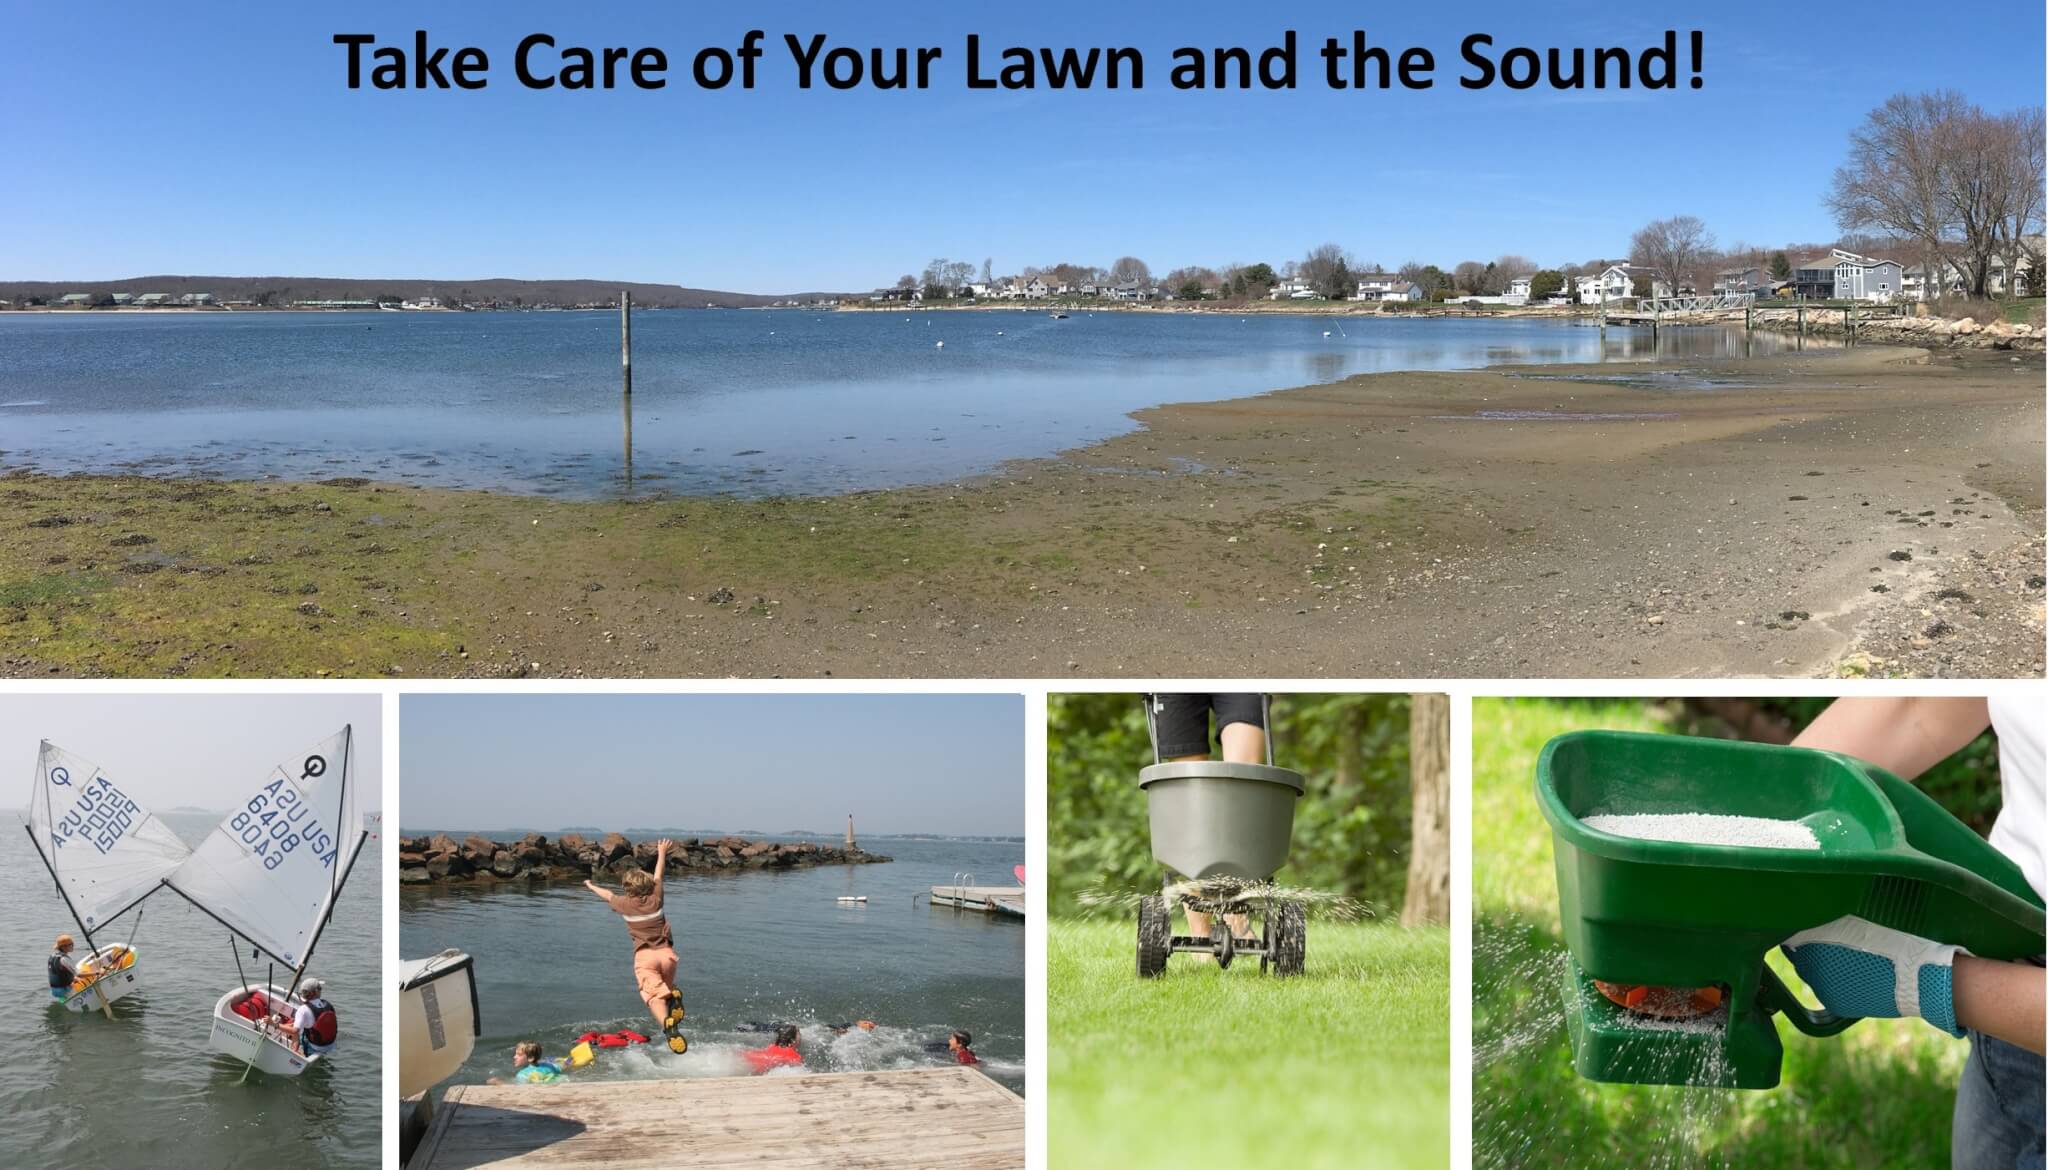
954 1118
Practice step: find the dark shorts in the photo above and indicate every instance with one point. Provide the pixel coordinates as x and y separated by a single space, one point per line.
1180 723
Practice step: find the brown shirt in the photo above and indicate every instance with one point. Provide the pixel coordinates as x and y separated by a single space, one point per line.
644 920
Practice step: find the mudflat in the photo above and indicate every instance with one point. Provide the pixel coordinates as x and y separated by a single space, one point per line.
1869 511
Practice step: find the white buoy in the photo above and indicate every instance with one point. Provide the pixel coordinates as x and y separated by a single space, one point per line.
859 898
939 345
999 333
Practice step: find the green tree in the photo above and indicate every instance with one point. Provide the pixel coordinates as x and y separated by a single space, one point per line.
1546 283
1190 290
1781 266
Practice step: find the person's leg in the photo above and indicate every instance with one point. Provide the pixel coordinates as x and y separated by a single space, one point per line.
653 988
1241 727
1998 1119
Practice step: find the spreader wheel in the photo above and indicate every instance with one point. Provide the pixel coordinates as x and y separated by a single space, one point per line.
1225 942
1155 936
1290 940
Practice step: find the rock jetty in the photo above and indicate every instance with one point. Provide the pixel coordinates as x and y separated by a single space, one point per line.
475 860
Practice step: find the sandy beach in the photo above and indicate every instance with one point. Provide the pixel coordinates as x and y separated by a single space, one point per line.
1871 511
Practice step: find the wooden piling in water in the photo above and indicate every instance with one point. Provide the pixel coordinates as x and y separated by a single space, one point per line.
626 338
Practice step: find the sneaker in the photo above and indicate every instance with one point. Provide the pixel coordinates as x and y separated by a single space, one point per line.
678 1045
675 1012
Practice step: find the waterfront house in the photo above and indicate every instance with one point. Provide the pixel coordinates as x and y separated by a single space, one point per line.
75 300
1847 276
1294 288
1613 283
1519 287
1735 281
196 298
122 298
1036 289
152 300
1387 286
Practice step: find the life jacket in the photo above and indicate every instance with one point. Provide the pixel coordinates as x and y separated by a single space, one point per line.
325 1027
623 1038
773 1056
60 970
966 1056
255 1007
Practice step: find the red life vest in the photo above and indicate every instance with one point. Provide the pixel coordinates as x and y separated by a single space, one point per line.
966 1056
773 1056
623 1038
325 1027
255 1006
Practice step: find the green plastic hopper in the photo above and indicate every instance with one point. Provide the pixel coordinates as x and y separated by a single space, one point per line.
1671 914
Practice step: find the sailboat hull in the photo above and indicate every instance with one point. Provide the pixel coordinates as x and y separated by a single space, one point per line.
109 988
437 1020
259 1047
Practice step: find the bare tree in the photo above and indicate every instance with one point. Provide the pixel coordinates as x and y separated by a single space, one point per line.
1428 898
2023 178
988 271
1673 249
1130 270
1469 277
1413 271
1327 269
906 281
1510 266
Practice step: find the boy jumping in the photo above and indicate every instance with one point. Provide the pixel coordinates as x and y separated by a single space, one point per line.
654 952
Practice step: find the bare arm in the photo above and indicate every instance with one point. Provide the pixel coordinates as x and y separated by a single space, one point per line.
661 859
600 891
1904 736
2001 999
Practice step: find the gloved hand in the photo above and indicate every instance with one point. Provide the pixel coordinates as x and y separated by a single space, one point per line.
1859 968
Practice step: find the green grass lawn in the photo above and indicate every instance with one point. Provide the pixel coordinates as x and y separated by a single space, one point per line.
1880 1094
1345 1066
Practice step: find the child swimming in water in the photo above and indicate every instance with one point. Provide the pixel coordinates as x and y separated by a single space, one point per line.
529 1069
654 954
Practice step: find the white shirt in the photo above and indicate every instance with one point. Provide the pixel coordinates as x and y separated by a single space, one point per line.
302 1019
2021 725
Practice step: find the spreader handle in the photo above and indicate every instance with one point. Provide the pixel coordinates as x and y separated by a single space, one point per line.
1774 996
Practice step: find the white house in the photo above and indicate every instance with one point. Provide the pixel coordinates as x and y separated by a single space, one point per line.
196 299
1519 287
1036 289
1387 286
1293 288
1616 282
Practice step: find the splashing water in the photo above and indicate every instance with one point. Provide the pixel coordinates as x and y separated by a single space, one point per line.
1252 895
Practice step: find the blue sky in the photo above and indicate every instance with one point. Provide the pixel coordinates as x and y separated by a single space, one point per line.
205 751
221 139
773 763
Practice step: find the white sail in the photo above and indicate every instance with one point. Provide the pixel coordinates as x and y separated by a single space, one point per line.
106 851
271 870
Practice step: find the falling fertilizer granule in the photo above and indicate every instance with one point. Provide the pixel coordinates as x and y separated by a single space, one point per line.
1708 829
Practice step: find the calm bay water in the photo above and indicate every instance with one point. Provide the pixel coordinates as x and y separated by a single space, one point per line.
747 403
144 1089
769 946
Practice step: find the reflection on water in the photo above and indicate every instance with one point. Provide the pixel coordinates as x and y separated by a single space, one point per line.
739 402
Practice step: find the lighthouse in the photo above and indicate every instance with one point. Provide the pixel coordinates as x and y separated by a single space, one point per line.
849 832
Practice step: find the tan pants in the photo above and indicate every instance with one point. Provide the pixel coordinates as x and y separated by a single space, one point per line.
654 970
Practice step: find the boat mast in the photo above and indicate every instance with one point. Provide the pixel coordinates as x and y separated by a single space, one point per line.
82 927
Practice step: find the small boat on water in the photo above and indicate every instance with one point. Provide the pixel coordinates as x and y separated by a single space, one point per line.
271 873
106 853
438 1019
1057 315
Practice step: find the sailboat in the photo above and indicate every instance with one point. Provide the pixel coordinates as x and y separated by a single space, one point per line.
106 853
271 873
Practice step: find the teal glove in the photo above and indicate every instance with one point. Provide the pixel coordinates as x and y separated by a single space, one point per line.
1859 968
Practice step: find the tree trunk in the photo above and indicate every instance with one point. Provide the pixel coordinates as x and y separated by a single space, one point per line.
1348 755
1429 849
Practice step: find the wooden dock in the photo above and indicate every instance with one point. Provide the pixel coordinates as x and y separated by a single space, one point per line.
941 1118
1004 900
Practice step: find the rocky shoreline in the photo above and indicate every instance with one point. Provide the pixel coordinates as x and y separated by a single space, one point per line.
476 860
1921 331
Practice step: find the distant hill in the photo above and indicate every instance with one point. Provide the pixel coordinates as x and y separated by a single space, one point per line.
283 290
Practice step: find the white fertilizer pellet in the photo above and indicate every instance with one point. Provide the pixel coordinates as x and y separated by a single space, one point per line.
1708 829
